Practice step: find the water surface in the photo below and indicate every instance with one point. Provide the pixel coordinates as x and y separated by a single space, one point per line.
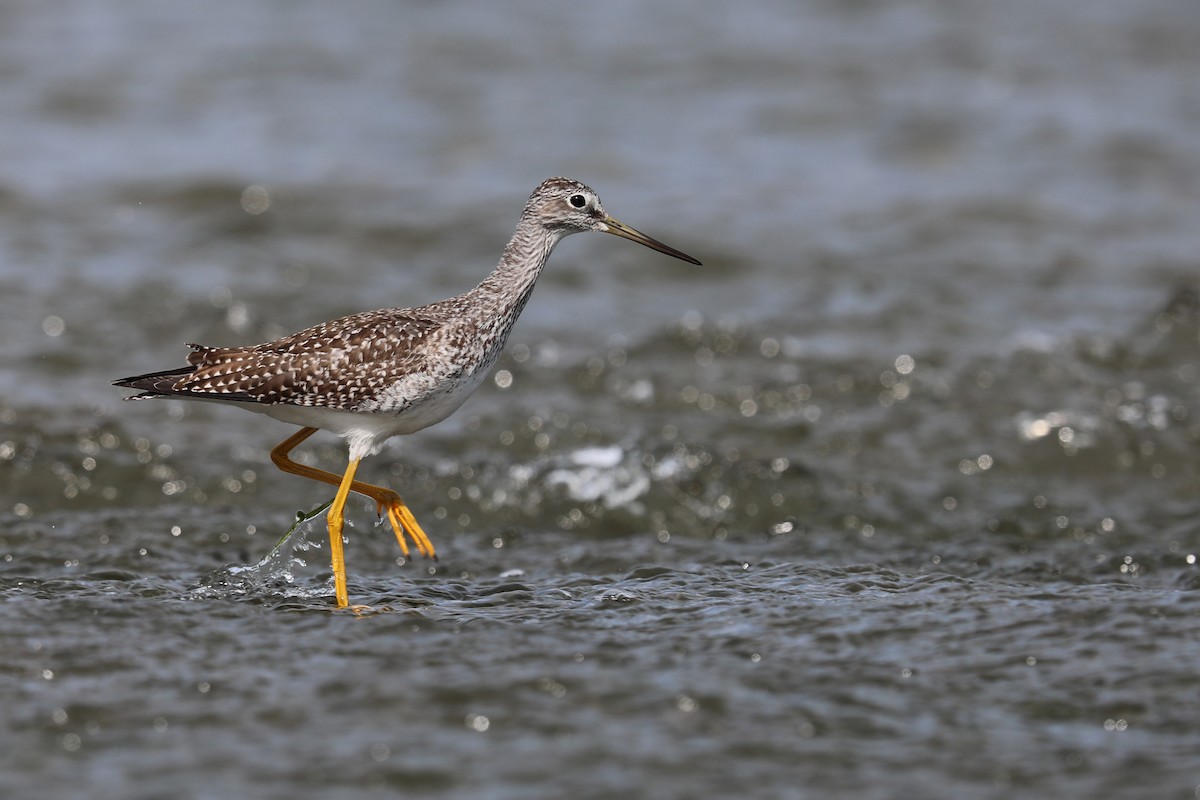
896 496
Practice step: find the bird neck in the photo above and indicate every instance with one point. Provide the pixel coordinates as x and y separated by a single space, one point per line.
525 255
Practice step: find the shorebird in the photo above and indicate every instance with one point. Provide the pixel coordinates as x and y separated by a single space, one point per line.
370 376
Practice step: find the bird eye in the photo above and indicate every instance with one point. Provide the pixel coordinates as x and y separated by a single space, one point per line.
577 200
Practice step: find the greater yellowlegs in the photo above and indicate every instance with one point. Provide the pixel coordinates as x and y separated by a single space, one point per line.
370 376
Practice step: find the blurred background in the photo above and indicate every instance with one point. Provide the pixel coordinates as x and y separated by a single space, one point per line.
946 330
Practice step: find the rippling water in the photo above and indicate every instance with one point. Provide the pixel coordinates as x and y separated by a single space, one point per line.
897 496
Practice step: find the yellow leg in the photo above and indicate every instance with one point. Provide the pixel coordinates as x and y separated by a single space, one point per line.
336 520
399 515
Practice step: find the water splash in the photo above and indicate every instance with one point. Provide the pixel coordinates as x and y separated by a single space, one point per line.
274 574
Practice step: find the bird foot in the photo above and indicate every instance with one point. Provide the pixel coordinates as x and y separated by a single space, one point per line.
404 524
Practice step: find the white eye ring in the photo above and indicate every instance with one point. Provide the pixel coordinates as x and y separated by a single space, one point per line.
577 201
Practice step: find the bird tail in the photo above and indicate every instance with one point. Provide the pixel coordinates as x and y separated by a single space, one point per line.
155 384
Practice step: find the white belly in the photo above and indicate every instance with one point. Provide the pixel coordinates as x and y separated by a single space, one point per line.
405 407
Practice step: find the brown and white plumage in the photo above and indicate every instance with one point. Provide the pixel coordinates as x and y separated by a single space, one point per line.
377 374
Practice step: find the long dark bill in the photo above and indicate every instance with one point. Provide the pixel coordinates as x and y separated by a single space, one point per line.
618 228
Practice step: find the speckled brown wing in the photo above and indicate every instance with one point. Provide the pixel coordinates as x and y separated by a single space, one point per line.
336 364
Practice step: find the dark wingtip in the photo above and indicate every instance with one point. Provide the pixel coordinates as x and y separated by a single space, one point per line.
154 384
